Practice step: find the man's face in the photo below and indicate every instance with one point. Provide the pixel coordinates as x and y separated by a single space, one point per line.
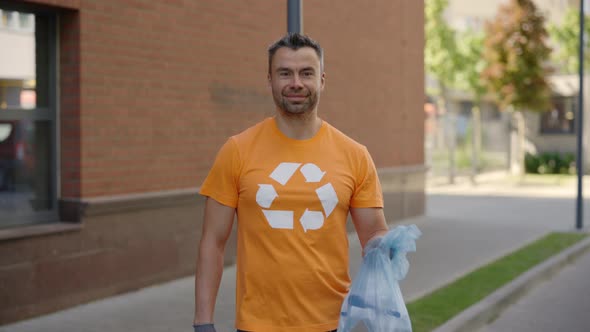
296 80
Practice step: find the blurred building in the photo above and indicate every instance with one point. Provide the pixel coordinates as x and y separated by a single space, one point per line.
465 14
111 113
550 131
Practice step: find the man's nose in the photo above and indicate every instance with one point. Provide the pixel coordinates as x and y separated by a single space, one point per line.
296 82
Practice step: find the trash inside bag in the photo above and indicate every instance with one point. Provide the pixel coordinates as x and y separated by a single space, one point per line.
375 297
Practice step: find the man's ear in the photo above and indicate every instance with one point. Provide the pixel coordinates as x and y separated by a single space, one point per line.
323 80
268 80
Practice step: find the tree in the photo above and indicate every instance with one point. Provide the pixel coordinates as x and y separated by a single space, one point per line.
567 39
517 55
442 59
470 45
441 54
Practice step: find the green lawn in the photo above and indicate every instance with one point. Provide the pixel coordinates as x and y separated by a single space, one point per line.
436 308
439 159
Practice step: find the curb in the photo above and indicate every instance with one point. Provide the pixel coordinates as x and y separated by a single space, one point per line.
489 308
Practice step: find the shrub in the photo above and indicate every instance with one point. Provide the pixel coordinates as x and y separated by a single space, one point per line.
550 163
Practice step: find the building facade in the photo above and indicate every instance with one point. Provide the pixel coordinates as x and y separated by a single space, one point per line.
111 113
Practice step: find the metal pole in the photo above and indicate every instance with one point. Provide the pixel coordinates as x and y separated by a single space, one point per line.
295 16
580 160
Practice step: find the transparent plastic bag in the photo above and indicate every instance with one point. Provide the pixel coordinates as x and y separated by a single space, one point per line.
375 297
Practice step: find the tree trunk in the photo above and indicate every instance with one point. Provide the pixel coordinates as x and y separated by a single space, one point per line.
517 146
475 142
450 134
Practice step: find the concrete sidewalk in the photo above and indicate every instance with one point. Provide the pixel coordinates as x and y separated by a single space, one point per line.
561 303
464 227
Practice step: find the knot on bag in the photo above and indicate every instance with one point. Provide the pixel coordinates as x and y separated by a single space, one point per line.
396 244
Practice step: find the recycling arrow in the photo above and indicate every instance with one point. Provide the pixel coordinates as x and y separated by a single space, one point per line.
311 220
328 198
284 172
265 195
312 173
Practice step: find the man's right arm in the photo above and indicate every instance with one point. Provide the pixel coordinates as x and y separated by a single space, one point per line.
217 226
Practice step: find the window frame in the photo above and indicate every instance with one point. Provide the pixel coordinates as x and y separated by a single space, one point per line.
48 114
568 101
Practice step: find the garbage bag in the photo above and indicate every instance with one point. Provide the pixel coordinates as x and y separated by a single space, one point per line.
375 297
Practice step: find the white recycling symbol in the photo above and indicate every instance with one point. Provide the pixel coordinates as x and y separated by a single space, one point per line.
310 220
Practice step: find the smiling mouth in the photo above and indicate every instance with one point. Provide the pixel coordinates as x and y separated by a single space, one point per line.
295 97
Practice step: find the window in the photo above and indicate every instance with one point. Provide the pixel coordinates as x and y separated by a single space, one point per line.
560 119
27 116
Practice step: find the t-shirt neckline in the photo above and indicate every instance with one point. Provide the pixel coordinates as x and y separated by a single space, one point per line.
283 137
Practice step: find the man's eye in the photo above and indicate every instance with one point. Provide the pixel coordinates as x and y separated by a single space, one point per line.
308 74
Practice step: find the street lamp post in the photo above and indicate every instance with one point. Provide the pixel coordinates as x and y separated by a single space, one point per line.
295 16
580 160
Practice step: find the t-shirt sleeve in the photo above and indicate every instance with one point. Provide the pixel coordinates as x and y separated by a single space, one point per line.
222 182
368 191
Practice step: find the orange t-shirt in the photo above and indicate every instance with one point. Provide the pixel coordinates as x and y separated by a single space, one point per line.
292 199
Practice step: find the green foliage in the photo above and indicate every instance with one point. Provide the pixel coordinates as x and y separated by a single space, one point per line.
566 36
550 163
441 54
516 55
470 46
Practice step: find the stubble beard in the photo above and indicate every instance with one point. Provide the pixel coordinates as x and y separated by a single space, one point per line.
303 109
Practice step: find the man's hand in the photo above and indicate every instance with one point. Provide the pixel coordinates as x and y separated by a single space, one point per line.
372 244
204 328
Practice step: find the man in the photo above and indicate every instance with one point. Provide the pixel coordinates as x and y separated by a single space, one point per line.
292 179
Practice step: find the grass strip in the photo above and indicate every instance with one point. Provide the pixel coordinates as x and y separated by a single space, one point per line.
436 308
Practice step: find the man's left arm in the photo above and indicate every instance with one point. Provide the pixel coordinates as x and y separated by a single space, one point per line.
369 223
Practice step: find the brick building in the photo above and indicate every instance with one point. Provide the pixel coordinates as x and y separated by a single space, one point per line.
109 134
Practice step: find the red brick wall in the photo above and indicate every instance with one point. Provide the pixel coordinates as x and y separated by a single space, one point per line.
374 68
162 84
113 253
149 90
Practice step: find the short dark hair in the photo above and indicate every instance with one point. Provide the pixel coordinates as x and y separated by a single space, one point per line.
295 41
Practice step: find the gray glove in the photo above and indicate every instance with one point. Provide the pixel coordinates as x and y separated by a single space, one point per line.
204 328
